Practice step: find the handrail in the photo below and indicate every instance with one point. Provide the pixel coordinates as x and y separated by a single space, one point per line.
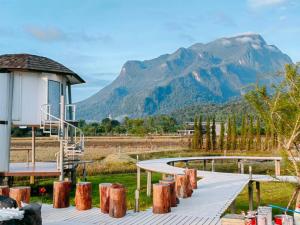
48 114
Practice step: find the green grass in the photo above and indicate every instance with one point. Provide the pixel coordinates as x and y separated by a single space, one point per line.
129 180
271 193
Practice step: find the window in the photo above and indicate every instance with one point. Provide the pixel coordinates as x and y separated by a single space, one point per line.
54 97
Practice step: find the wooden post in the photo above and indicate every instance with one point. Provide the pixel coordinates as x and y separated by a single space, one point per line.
137 201
83 196
61 194
212 165
104 190
161 198
250 172
117 202
250 195
277 168
32 152
181 186
242 167
62 136
20 194
149 183
173 197
204 164
192 175
4 191
257 193
138 182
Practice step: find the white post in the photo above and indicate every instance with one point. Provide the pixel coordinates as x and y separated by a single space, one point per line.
6 102
212 165
277 168
149 183
62 136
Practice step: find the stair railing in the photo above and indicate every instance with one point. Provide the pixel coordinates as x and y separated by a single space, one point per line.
47 119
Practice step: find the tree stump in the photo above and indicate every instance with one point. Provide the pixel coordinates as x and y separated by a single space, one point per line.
182 186
104 197
117 201
173 197
4 191
192 173
83 196
161 198
61 194
20 194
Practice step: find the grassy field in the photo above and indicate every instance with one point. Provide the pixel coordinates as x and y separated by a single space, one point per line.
116 171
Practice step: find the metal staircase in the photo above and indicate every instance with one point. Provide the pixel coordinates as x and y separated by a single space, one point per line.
66 131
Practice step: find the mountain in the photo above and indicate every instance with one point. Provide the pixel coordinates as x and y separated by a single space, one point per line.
214 72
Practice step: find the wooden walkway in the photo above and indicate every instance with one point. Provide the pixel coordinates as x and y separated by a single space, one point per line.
216 191
39 169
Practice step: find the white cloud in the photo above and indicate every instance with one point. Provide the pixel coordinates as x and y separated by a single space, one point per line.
45 33
265 3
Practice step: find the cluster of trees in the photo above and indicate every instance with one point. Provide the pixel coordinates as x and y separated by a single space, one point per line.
247 135
279 109
139 126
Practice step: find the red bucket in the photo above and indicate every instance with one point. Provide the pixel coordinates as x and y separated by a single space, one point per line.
282 219
250 220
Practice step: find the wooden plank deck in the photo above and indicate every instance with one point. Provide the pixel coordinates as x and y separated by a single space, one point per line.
39 169
216 191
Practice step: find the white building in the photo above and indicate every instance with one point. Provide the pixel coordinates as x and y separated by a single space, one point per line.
189 128
31 85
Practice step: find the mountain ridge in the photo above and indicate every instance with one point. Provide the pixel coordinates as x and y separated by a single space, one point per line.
214 72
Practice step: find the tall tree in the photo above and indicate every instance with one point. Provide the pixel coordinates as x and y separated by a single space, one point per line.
243 133
250 133
222 133
280 112
214 134
234 134
200 132
229 134
195 140
207 136
258 137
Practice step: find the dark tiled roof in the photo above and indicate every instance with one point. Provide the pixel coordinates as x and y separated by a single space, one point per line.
36 63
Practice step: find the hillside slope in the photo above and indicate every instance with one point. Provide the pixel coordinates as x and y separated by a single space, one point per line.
214 72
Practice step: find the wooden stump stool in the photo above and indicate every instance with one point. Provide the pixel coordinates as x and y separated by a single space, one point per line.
182 186
173 197
4 190
20 194
104 197
117 201
83 196
161 198
192 173
61 194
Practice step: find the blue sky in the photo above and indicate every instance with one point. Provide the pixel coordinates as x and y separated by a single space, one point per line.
96 37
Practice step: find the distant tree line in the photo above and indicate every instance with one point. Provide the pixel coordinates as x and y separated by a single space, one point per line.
249 135
139 126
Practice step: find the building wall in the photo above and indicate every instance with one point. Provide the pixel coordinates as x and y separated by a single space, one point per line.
30 92
6 85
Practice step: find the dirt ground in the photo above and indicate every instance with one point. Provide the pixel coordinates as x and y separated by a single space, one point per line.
97 148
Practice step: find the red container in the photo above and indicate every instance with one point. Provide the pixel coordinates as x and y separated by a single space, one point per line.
250 220
283 219
278 219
